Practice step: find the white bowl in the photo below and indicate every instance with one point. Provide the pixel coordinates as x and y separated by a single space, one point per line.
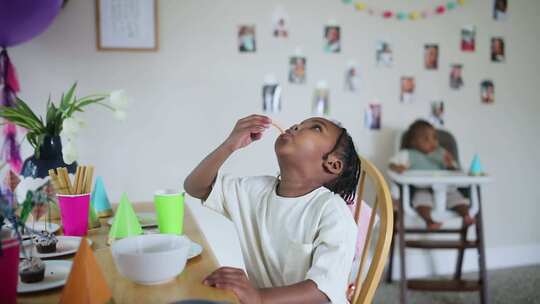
151 259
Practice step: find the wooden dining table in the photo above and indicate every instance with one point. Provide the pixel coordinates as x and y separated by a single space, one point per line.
188 285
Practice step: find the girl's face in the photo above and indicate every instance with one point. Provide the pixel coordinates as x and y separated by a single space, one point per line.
426 140
308 141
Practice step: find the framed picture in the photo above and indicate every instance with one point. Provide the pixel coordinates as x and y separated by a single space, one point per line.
127 25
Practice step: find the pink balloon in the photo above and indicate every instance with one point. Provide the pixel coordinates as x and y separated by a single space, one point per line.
22 20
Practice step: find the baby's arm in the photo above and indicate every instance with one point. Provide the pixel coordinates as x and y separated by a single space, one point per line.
199 182
398 168
400 162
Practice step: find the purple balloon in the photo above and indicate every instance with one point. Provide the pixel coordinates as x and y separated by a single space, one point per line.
22 20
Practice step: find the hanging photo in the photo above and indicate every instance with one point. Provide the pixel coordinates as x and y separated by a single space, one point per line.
497 49
500 8
431 56
246 39
280 24
468 38
321 100
456 78
372 116
437 113
271 93
383 54
297 70
407 89
487 91
332 39
352 78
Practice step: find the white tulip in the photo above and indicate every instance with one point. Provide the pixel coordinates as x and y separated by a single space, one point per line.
70 127
118 99
69 152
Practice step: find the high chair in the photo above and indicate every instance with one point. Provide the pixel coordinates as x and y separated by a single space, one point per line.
438 181
364 285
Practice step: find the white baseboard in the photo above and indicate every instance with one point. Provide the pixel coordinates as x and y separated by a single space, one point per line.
423 263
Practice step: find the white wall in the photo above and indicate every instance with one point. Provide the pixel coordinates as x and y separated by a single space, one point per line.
187 96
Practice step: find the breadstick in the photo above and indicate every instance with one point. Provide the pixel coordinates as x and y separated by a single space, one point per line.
278 127
88 179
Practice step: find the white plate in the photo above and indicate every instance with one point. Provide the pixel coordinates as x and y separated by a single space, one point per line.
146 219
66 245
56 274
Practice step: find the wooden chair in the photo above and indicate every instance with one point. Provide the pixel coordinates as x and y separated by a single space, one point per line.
365 286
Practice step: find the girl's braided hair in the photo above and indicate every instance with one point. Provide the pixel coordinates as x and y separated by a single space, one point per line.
347 181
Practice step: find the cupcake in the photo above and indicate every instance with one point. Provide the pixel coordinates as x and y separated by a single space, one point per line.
45 242
32 270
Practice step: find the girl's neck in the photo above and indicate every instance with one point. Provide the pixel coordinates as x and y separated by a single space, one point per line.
295 184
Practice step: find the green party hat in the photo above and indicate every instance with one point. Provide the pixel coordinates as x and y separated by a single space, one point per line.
125 221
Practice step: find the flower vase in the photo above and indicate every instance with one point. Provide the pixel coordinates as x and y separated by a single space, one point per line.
50 157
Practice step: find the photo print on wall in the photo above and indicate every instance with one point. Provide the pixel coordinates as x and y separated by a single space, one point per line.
497 49
297 70
437 113
372 116
246 39
456 77
500 10
280 23
487 91
407 87
431 56
321 99
271 94
332 39
352 77
468 38
383 54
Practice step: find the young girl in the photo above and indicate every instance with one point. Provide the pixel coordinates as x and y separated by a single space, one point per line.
296 233
422 152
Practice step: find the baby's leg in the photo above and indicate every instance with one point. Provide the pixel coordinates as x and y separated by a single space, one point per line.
423 203
460 205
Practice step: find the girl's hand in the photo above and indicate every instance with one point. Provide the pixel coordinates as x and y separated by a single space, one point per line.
235 280
247 130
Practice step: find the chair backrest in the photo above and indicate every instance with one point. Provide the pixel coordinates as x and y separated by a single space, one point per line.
365 286
446 140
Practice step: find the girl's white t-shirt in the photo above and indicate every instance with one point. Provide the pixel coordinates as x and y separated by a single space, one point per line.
288 240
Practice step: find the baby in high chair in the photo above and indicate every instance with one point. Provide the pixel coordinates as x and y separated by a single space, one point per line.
423 152
296 233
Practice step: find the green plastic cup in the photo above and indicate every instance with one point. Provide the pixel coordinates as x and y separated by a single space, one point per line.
170 211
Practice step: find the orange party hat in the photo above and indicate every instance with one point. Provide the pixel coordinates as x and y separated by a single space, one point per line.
86 283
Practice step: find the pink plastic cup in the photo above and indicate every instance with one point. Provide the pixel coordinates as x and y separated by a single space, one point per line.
74 213
9 270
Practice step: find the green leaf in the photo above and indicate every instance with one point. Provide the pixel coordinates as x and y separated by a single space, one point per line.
66 100
28 205
24 109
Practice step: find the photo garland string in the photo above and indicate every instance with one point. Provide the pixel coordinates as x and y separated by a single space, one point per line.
405 15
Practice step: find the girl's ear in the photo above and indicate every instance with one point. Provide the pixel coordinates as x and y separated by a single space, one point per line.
333 164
